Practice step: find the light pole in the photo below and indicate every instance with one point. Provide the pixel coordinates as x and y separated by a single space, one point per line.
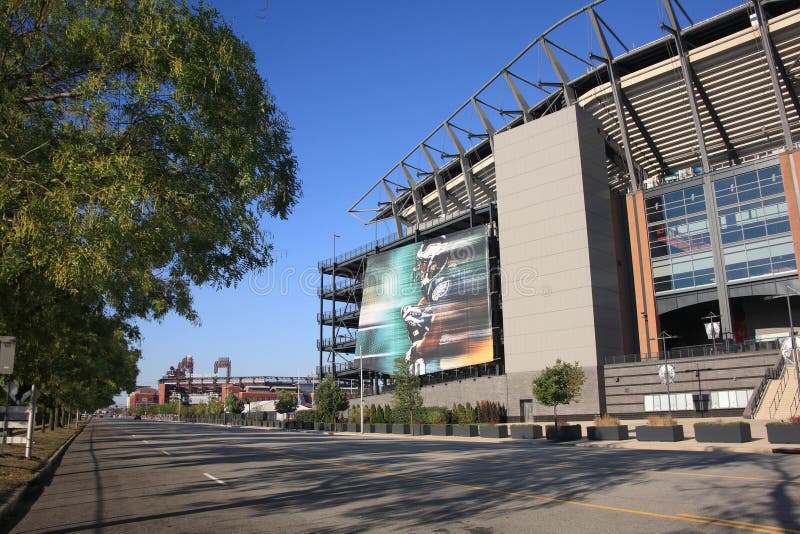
361 388
710 330
667 375
333 310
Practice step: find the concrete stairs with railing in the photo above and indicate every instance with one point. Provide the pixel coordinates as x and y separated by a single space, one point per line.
781 399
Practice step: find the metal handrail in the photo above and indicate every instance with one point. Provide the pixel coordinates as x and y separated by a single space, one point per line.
694 351
758 394
346 286
776 400
340 312
358 251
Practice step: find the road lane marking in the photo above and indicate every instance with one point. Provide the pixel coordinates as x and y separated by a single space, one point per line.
741 525
165 452
145 441
215 479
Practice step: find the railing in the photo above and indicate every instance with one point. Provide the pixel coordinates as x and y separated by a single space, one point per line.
776 400
758 394
346 286
694 351
363 249
340 312
341 339
795 404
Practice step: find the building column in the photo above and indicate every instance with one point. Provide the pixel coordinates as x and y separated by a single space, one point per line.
726 322
790 166
646 314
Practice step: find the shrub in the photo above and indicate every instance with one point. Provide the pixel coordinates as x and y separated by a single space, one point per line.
470 417
305 416
380 418
606 420
661 420
388 418
436 415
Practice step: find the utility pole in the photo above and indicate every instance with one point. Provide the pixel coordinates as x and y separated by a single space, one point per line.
668 377
710 330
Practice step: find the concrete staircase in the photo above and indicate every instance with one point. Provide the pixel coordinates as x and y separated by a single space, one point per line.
780 400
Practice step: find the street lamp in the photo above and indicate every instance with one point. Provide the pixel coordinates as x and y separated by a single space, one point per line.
712 328
669 371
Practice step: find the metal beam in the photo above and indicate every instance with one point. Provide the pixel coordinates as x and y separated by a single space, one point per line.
729 148
569 93
412 185
395 215
787 81
618 106
643 131
521 102
687 80
437 178
466 168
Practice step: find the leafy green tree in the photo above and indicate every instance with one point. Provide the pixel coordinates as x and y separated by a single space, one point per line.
233 404
469 414
559 384
380 415
215 407
286 403
406 395
140 150
331 399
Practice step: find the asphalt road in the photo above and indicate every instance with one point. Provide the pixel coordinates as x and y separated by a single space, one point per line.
138 476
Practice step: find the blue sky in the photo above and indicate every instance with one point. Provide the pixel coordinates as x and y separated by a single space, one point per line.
361 83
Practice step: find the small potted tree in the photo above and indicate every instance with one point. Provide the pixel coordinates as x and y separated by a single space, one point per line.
560 384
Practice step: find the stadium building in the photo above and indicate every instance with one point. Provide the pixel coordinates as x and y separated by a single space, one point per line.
635 211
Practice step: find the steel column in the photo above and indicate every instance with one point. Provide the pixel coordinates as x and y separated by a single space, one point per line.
773 73
437 178
487 124
397 223
726 323
688 83
521 102
466 169
618 106
569 93
414 193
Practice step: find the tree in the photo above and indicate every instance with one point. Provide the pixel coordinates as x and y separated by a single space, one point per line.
285 403
140 149
139 153
408 401
233 404
215 407
331 400
559 384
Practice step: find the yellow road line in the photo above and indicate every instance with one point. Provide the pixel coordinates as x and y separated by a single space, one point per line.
741 525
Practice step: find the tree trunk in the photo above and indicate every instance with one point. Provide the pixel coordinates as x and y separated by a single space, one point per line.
52 416
555 415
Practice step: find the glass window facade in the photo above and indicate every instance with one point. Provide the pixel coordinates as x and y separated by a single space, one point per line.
680 245
754 227
733 398
754 224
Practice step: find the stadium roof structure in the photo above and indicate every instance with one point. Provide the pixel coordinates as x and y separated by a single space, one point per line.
700 98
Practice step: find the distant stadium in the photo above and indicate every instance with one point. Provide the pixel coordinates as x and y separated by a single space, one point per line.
632 210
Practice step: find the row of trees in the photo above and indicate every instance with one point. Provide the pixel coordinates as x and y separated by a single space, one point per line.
140 152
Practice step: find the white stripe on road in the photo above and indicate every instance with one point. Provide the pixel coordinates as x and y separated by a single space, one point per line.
145 441
165 452
215 479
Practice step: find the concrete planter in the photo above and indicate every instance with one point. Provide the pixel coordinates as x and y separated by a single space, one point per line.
441 430
465 431
721 433
352 427
422 430
526 431
563 432
783 433
494 431
307 426
382 428
607 433
401 429
659 433
319 426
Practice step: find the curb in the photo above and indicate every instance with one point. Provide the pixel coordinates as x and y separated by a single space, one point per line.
8 508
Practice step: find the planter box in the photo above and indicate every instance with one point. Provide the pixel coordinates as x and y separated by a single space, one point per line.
441 430
465 431
422 430
736 433
526 431
783 433
659 433
307 426
401 429
563 432
319 426
607 433
494 431
382 428
352 427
